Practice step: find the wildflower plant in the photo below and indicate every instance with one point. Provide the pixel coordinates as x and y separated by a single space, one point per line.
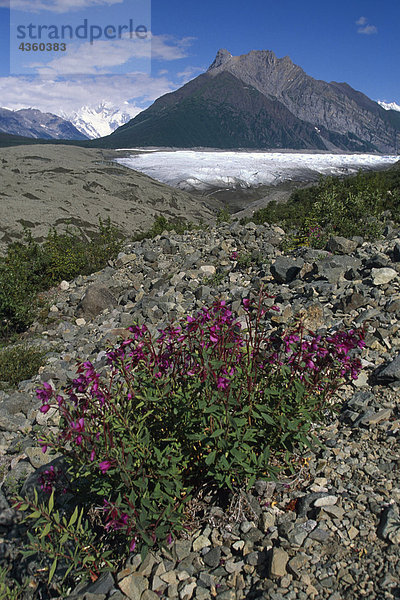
207 401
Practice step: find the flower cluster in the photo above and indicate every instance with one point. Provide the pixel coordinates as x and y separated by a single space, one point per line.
197 401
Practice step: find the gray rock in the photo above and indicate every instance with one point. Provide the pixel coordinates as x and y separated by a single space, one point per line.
341 245
213 557
286 269
95 300
279 560
389 525
133 586
383 276
390 373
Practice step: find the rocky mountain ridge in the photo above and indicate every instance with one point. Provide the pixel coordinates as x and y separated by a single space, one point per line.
33 123
332 531
257 100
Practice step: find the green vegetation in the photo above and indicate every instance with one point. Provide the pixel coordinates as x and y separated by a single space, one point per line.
162 224
9 588
207 403
30 268
19 362
357 205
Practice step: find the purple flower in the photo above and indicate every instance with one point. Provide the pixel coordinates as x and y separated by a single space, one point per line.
104 466
45 408
222 383
246 303
132 545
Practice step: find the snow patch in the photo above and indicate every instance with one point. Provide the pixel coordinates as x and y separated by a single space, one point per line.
389 105
103 119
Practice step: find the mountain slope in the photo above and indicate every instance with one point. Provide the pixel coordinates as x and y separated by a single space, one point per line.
335 106
32 123
260 101
223 112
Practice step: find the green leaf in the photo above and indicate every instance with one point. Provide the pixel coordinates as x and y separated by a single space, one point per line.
210 458
53 569
45 531
64 538
74 517
51 502
34 515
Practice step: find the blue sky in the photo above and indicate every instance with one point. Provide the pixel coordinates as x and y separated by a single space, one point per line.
354 41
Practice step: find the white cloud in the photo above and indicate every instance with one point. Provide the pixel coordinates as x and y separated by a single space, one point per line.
58 6
189 73
364 27
104 56
367 30
99 58
55 95
168 47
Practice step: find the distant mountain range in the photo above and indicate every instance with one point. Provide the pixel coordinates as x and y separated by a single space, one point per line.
32 123
86 123
98 121
257 100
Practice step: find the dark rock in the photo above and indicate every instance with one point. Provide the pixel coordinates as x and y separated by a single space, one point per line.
96 300
390 373
212 557
340 245
286 269
396 252
352 302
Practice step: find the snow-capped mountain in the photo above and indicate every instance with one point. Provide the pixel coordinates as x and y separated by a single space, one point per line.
33 123
103 119
389 105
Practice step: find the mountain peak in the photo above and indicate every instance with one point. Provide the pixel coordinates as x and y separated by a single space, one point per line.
221 58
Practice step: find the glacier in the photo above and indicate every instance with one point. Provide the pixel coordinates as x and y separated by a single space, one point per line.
194 170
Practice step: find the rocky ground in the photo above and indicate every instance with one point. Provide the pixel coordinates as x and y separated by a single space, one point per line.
48 186
332 531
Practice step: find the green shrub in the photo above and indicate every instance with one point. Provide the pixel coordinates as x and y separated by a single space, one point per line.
348 206
19 362
162 224
204 403
9 588
29 268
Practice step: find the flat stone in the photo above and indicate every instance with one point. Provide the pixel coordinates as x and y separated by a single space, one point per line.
319 535
187 591
213 557
182 549
279 560
296 563
201 542
208 269
233 567
378 417
149 595
133 586
147 565
383 276
326 501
